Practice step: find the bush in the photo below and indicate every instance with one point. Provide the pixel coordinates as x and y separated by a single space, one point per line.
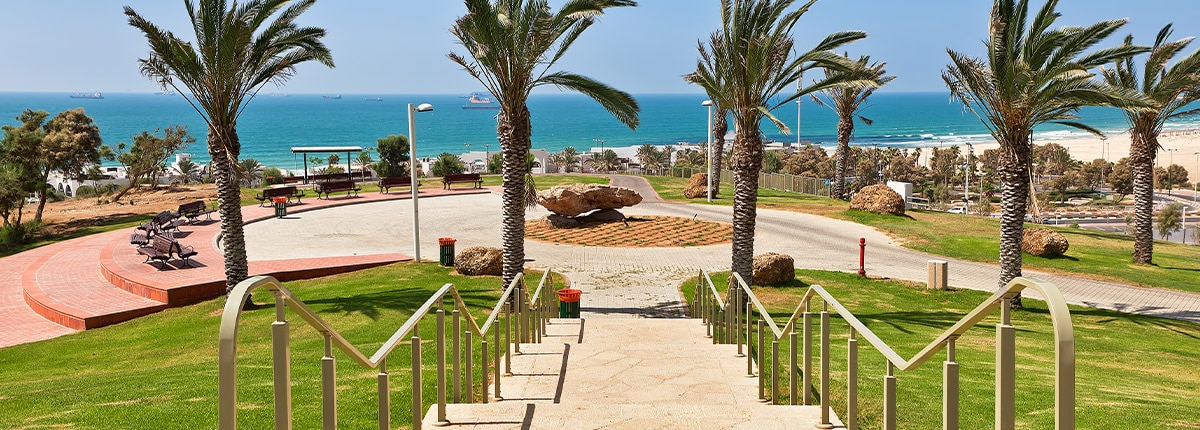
13 236
272 176
85 191
447 164
1075 225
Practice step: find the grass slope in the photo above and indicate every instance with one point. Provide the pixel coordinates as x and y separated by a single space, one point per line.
163 368
1093 254
1131 371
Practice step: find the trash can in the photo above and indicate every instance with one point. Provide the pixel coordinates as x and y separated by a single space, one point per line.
568 303
447 248
280 206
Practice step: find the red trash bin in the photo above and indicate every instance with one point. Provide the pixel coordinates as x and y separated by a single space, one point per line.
568 303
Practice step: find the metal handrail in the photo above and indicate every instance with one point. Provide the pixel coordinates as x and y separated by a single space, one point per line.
238 297
1056 304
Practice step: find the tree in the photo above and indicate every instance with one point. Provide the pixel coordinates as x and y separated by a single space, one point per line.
187 171
569 157
847 102
1064 182
250 172
650 157
237 51
744 66
1032 75
21 158
771 162
719 129
1168 92
1176 175
604 162
1121 179
393 156
364 161
512 47
149 153
1170 220
67 143
447 164
1093 173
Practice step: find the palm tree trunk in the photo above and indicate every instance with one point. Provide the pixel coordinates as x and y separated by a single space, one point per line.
229 205
844 129
513 130
1014 171
720 128
746 164
1141 165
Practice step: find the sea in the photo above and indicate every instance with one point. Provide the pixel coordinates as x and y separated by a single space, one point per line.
272 124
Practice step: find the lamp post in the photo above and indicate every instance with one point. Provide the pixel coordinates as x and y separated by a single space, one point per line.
487 157
709 103
412 167
967 184
471 165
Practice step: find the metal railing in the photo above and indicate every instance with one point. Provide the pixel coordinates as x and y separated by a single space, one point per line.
767 181
523 323
728 323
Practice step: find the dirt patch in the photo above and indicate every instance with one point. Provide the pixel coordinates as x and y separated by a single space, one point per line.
76 213
636 232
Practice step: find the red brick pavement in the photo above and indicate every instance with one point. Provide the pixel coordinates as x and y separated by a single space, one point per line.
100 279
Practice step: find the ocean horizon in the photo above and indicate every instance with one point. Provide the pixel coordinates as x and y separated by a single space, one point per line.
274 123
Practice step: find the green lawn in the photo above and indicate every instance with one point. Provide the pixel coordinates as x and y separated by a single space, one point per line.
543 182
126 221
1093 254
1132 371
162 369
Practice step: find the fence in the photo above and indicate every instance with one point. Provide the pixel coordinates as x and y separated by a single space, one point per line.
767 181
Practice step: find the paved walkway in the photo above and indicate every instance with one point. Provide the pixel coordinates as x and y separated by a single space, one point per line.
641 282
622 373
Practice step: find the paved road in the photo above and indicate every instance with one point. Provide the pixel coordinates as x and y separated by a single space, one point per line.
643 281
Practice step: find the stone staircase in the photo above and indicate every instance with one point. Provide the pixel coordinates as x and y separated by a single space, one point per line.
627 373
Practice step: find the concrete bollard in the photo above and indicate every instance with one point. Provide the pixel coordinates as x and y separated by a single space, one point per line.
938 275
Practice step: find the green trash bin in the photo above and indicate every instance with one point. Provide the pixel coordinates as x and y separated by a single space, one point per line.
280 206
447 251
568 303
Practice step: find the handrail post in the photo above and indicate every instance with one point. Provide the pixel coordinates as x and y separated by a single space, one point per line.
281 352
749 338
496 348
456 360
774 371
851 419
825 424
950 388
485 369
417 412
737 327
508 328
518 330
807 385
441 366
762 384
794 389
469 384
328 387
385 394
1005 368
889 398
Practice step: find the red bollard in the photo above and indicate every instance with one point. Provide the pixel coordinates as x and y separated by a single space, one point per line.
862 250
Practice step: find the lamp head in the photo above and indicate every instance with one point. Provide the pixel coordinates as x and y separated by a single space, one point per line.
706 103
424 107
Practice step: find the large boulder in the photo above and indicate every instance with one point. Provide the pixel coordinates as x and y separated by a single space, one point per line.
479 260
879 199
559 221
603 216
697 186
575 199
1044 243
772 269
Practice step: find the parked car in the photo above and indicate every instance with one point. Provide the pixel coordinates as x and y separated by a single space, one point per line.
958 210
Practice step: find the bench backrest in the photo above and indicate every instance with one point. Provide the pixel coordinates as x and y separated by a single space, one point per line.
163 217
396 180
191 207
279 192
462 177
163 244
335 185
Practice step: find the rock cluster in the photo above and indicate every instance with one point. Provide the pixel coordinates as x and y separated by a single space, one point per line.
879 199
1044 243
697 186
772 269
479 260
575 199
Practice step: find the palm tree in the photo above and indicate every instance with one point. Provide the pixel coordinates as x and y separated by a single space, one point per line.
719 129
187 171
1033 75
570 157
650 157
847 103
745 65
604 162
237 51
512 47
1169 91
250 170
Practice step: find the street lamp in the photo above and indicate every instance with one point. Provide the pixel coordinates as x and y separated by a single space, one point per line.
412 167
967 183
472 165
709 103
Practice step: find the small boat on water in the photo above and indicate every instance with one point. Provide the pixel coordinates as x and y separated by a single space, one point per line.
95 95
373 99
337 97
475 102
475 99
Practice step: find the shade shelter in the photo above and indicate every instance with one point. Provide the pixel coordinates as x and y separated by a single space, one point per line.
305 150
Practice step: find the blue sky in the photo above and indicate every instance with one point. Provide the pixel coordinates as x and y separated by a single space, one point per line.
390 46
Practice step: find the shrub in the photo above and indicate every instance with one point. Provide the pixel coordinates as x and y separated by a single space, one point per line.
447 164
85 191
13 236
272 176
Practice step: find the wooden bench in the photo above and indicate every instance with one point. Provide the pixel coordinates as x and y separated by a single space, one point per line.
193 210
329 187
463 178
166 221
290 191
161 249
402 181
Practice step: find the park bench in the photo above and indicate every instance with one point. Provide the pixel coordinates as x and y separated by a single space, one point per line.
166 221
462 178
147 230
402 181
193 210
330 187
290 192
161 248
